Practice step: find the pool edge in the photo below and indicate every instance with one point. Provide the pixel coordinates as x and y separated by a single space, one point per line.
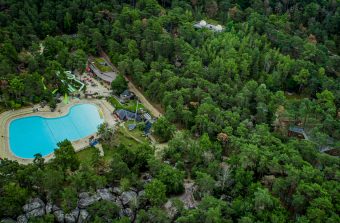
8 116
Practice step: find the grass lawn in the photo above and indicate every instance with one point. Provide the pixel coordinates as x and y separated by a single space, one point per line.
130 138
136 133
98 61
130 106
121 137
85 155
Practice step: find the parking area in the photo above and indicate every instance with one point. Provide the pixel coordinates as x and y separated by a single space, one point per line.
94 87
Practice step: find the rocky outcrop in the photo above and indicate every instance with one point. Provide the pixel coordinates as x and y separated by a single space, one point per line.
59 216
188 197
55 208
48 208
127 213
83 216
141 193
37 208
72 217
116 191
39 212
87 200
22 219
33 204
106 195
170 209
127 196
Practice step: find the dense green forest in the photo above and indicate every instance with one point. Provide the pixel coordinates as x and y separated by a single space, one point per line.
232 95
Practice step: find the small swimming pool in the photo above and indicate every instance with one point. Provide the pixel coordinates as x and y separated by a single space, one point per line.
31 135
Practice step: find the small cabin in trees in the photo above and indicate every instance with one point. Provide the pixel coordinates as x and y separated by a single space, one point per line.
126 96
298 132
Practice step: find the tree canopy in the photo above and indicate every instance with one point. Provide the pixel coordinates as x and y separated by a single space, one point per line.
231 100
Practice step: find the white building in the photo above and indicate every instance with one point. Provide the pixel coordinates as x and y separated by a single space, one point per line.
203 24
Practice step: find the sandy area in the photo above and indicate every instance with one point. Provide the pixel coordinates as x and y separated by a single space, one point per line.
62 109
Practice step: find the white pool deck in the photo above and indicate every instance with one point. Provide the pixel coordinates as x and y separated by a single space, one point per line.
62 109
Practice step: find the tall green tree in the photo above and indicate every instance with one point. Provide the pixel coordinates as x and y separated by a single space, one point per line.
119 85
163 129
172 178
65 156
12 199
68 22
155 192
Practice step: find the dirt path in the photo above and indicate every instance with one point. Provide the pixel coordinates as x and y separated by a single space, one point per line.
144 100
152 109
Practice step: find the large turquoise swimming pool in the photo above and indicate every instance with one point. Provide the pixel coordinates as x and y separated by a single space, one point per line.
35 134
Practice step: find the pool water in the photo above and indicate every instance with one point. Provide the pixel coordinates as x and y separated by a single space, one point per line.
31 135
